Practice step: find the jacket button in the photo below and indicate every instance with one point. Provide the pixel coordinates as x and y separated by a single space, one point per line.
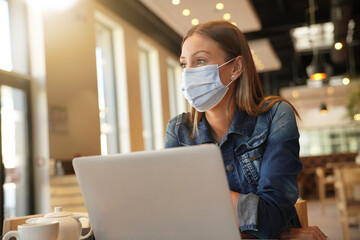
230 168
252 157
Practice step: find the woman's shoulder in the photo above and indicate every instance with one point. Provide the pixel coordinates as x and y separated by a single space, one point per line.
281 107
179 131
283 120
181 119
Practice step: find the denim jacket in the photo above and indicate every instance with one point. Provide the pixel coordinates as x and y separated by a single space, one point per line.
261 159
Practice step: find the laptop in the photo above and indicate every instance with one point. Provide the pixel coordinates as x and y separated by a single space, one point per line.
178 193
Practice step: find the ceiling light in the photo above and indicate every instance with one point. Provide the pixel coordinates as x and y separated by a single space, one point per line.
186 12
295 94
319 35
318 69
318 76
258 63
195 21
338 45
323 109
175 2
346 81
260 66
330 90
52 5
357 117
227 16
220 6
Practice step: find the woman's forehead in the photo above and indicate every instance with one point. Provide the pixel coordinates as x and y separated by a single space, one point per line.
198 42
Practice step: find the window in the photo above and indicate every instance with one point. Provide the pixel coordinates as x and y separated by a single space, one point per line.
177 101
5 46
112 87
15 150
13 40
150 97
106 90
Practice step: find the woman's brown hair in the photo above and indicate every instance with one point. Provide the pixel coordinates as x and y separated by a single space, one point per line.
248 91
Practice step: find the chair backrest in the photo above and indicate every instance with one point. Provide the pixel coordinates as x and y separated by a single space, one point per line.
347 184
320 172
301 209
10 224
66 193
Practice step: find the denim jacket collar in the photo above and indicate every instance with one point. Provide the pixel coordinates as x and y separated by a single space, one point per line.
203 134
242 124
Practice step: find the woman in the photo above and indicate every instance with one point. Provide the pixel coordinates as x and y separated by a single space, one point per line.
257 135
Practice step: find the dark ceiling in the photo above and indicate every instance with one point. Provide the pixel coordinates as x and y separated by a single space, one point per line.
277 18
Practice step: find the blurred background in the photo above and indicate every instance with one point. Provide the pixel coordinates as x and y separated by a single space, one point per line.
90 77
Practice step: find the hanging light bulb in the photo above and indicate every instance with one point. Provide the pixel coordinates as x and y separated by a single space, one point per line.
338 45
323 109
357 117
317 68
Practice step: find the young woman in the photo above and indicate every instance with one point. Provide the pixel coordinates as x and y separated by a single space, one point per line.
257 135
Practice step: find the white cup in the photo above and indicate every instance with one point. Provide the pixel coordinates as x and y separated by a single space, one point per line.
35 231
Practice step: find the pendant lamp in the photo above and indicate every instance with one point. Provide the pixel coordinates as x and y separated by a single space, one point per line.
323 109
318 69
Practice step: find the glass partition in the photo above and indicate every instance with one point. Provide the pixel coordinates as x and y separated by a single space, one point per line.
325 141
15 151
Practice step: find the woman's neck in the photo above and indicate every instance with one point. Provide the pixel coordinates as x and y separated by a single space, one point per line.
220 117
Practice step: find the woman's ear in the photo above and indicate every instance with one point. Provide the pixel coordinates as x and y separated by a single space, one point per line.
238 67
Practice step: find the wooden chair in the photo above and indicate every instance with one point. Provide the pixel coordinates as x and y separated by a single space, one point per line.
65 192
64 188
347 194
323 180
301 209
10 224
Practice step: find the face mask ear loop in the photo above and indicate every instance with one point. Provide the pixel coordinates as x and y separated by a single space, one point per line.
226 62
230 83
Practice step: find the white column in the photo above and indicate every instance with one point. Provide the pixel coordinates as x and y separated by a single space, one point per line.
39 109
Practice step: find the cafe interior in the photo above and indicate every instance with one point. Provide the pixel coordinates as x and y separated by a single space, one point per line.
100 77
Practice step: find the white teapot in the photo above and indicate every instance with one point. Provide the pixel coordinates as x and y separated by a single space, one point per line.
69 224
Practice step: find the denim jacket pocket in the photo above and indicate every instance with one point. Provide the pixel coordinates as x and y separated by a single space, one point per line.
250 155
250 163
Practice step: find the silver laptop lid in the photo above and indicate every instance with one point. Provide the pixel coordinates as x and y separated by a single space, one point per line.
178 193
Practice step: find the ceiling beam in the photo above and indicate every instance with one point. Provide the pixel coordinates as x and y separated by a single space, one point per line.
134 12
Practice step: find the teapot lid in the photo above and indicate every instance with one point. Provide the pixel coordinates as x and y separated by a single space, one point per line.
58 213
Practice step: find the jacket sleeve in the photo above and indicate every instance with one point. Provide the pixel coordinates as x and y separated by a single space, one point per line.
171 139
278 187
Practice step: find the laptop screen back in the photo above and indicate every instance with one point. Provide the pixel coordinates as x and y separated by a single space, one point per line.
178 193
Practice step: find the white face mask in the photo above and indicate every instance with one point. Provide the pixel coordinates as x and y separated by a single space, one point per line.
202 86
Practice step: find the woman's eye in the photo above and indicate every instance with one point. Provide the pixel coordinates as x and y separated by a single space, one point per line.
200 61
183 64
195 63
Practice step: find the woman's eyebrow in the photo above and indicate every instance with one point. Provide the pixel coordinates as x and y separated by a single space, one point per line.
197 52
